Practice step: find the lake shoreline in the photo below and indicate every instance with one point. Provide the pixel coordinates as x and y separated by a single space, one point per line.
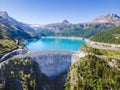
64 37
55 43
94 44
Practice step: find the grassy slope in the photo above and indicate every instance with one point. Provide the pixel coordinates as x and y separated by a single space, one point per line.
111 36
7 45
10 34
94 51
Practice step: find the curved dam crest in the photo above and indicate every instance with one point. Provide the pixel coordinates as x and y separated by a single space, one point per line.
51 62
54 62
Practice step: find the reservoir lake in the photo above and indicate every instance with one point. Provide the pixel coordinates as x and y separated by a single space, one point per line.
54 44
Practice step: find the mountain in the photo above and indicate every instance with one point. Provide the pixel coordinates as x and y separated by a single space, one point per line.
111 36
86 30
23 26
89 29
15 28
65 22
109 18
65 28
12 32
10 28
50 29
55 27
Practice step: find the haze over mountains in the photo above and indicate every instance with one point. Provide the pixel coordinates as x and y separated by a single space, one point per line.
64 28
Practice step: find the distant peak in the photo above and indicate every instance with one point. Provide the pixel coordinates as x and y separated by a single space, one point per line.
111 17
65 21
3 14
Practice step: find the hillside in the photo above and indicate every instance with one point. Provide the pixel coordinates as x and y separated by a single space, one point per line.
68 29
7 45
111 36
10 28
87 29
22 74
12 32
95 72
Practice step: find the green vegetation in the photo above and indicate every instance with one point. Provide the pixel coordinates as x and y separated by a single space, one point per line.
8 31
7 45
93 73
19 73
23 74
110 36
79 31
10 35
94 51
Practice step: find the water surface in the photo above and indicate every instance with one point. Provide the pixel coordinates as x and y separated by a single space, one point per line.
54 44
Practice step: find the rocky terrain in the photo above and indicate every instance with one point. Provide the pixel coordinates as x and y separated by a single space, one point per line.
109 18
7 19
87 29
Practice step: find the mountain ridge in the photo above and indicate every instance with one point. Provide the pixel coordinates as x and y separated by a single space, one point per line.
111 18
65 28
99 24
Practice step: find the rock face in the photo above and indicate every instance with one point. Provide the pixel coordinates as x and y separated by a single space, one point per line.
13 53
109 18
53 63
3 14
65 21
9 21
88 29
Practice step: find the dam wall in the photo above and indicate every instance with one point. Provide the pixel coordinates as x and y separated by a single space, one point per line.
54 62
51 62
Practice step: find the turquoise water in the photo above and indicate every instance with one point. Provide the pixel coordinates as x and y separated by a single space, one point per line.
54 44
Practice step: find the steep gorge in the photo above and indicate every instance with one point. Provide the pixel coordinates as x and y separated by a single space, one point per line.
50 66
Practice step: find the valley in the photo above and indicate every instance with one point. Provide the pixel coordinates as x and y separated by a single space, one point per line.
92 65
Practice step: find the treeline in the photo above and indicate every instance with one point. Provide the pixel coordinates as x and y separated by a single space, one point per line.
110 36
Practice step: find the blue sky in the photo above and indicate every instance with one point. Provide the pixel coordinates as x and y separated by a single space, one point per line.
52 11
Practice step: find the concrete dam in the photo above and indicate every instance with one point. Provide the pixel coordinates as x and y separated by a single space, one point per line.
54 62
51 62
